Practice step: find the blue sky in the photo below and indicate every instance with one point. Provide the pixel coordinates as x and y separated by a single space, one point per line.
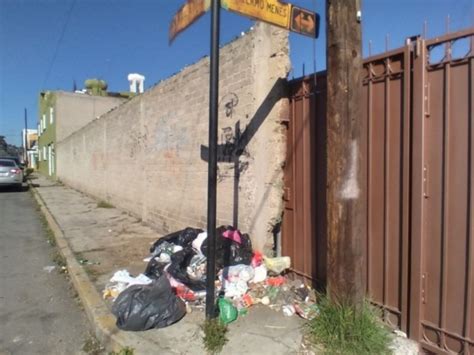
41 47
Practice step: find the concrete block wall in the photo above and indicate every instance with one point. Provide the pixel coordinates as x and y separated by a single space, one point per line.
148 156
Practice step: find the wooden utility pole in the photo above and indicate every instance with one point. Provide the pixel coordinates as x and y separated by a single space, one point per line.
26 138
346 192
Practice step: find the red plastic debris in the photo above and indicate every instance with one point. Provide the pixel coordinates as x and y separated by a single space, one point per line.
257 259
275 281
185 293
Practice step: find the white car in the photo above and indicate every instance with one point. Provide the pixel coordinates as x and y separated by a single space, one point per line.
10 173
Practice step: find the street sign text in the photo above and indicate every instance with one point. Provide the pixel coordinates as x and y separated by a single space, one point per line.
271 11
277 13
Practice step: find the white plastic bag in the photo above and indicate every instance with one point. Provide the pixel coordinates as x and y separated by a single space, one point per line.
277 265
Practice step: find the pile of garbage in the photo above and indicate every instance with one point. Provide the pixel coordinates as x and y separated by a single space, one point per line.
174 281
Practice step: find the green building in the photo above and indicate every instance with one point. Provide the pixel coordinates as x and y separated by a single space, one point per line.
61 113
47 134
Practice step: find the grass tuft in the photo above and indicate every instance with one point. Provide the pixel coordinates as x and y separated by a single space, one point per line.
50 238
341 329
92 346
123 351
104 204
60 260
214 335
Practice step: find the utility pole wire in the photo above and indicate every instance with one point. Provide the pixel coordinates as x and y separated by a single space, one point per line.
58 44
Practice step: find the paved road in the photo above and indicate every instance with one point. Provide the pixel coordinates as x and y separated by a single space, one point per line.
38 312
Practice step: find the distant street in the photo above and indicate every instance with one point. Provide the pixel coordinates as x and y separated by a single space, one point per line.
38 312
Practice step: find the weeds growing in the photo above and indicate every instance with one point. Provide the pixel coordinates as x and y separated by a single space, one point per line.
60 261
92 346
51 240
123 351
47 231
104 204
214 335
342 329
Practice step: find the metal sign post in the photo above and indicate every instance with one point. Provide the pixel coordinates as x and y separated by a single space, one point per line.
212 163
281 14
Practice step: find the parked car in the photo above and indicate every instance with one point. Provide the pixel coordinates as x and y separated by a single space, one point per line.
18 163
10 173
15 159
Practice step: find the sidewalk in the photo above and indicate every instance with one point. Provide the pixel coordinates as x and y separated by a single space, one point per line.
111 240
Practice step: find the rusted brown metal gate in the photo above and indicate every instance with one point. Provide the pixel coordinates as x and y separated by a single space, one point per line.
442 239
418 121
386 109
304 217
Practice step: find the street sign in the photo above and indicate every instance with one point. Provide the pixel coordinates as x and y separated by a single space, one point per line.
187 15
277 13
271 11
304 22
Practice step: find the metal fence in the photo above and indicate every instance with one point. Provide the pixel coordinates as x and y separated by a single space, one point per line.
304 217
418 123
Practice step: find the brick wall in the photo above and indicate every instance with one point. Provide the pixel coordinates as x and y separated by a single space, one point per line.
148 156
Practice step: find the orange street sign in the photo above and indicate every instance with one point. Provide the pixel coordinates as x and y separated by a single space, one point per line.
304 22
271 11
186 16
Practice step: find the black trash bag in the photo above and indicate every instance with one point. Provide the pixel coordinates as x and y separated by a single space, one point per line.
143 307
154 269
178 269
241 253
228 252
183 237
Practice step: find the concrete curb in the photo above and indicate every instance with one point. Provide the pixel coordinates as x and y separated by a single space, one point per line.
102 321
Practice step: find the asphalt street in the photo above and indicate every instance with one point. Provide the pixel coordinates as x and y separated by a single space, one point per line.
38 311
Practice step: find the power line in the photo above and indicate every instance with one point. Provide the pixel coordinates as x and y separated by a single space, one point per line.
58 44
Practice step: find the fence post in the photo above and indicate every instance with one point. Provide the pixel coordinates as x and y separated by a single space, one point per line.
417 199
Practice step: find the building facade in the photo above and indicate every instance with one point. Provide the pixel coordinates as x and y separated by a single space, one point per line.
62 113
30 147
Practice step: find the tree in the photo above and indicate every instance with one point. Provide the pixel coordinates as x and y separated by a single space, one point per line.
8 149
